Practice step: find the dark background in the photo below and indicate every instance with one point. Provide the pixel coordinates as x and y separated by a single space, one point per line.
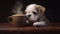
52 8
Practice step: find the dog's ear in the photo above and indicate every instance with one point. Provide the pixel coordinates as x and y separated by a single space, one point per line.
40 8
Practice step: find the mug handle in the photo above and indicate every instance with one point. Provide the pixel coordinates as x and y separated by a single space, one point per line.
10 19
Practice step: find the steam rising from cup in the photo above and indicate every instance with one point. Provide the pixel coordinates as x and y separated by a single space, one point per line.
17 8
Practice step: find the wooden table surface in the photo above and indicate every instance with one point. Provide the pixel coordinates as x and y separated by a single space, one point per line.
9 27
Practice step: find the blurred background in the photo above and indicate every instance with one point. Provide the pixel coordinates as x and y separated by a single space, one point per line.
52 8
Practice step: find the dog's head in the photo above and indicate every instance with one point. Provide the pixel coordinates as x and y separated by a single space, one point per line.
33 11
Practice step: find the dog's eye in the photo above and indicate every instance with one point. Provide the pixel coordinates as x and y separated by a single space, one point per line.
34 13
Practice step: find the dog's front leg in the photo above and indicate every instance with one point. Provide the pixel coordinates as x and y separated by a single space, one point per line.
29 23
42 23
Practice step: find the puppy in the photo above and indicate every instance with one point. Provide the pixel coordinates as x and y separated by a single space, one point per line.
35 15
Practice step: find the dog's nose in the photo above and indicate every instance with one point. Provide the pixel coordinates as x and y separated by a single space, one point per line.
29 15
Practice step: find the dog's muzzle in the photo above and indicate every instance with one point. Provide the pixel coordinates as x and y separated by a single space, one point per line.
29 15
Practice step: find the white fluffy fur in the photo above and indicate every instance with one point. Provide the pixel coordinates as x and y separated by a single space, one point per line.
30 7
29 11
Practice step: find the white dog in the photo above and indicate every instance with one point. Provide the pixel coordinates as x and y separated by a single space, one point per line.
35 15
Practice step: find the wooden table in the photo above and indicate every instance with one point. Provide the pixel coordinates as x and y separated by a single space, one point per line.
8 28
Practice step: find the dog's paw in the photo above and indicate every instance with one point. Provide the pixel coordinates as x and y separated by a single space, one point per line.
39 24
27 21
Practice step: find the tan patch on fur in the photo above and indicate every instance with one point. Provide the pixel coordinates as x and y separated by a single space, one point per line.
40 8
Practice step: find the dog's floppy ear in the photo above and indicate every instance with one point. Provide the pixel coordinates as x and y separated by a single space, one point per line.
40 8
